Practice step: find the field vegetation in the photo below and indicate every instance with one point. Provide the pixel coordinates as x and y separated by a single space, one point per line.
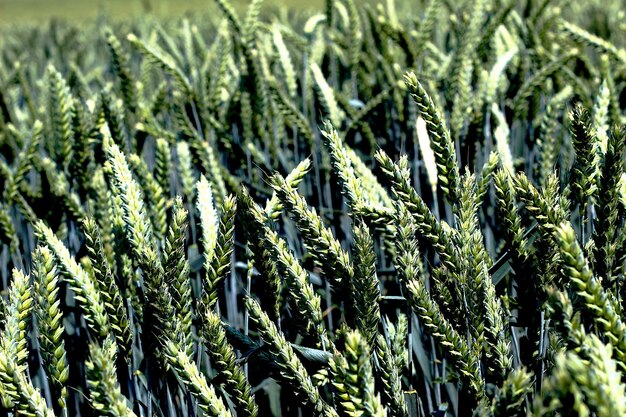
394 209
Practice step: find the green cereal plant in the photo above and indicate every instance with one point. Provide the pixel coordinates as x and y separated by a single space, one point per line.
427 200
104 391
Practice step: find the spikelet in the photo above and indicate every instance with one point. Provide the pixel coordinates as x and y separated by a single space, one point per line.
13 340
224 361
291 367
94 309
443 147
285 61
104 389
60 111
331 106
50 322
353 379
320 242
219 265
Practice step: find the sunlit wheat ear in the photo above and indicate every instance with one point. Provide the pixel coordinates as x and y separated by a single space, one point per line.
291 367
273 207
50 321
219 266
320 242
224 360
104 389
598 302
590 374
176 269
442 145
389 372
365 284
89 297
194 381
285 264
105 281
353 379
13 339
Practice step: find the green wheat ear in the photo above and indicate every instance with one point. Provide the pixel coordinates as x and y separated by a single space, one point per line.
104 389
353 379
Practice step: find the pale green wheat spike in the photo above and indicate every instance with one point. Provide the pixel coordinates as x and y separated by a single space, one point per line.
81 283
223 359
155 196
600 121
353 380
445 154
60 187
31 402
214 169
194 381
286 267
327 94
365 285
585 381
185 170
251 22
209 219
292 369
50 322
60 113
398 336
163 165
509 401
434 231
547 215
218 267
104 389
464 361
156 56
598 302
285 61
606 232
390 375
319 240
26 160
105 281
229 11
373 190
566 323
273 207
355 34
462 70
509 217
160 315
176 269
548 138
13 339
121 68
138 227
342 165
583 37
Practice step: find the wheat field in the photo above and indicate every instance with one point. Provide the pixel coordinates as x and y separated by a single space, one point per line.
347 209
